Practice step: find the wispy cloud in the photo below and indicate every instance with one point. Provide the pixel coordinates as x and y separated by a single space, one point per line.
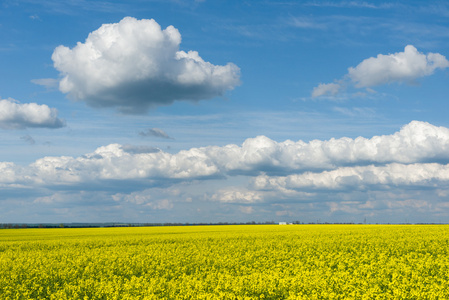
326 89
35 17
29 139
307 23
155 132
359 29
351 4
49 83
74 7
363 112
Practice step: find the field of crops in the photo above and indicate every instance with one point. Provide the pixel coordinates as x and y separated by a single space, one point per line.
227 262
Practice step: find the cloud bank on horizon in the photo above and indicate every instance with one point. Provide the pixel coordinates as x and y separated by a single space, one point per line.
135 65
417 143
417 155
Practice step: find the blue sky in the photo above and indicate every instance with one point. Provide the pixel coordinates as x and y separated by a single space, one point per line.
224 111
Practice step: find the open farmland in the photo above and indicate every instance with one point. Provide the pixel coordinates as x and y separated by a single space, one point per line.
227 262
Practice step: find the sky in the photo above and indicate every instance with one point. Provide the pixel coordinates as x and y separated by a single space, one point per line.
224 111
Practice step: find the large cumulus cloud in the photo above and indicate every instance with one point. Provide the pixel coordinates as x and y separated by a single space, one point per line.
16 115
135 64
406 66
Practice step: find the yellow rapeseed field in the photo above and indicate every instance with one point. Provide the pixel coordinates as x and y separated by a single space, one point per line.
227 262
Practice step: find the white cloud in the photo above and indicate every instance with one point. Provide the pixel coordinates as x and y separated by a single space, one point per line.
161 204
315 178
10 173
377 175
15 115
55 198
416 142
116 162
134 65
136 198
144 198
306 23
49 83
246 209
359 177
399 67
325 89
237 195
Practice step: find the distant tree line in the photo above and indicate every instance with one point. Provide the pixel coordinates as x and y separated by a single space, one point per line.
10 226
99 225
